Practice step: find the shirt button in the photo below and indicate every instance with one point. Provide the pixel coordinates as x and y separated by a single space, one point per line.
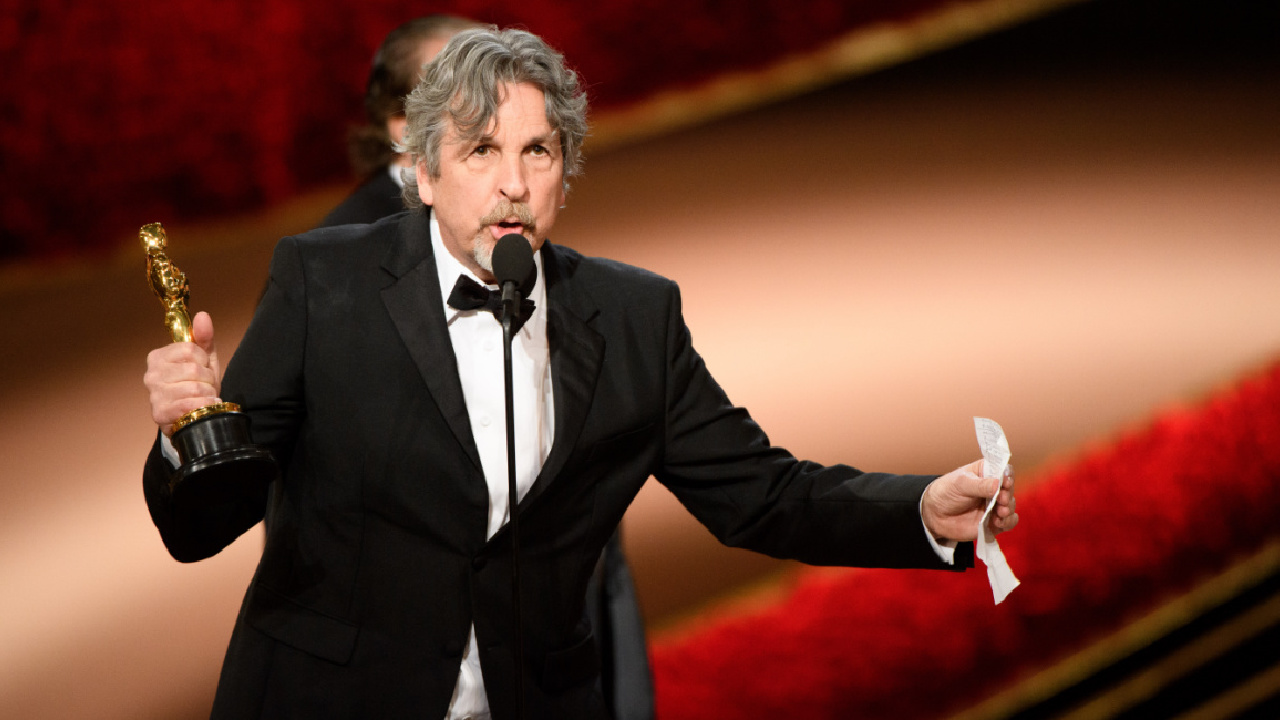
484 421
488 345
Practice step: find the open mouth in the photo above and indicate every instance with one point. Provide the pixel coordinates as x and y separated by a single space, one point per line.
506 227
508 217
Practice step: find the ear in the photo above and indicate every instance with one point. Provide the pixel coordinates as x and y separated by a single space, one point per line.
424 183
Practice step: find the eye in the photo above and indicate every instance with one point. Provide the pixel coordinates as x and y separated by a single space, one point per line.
482 150
539 150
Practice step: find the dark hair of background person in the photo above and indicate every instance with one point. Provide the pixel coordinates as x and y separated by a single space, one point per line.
392 75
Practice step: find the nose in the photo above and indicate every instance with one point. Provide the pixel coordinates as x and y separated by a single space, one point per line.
511 182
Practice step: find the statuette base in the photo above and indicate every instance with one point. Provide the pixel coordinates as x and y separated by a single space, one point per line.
218 455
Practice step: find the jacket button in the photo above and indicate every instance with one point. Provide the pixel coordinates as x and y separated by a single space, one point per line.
478 562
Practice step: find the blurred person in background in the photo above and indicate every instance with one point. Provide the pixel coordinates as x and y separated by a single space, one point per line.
372 147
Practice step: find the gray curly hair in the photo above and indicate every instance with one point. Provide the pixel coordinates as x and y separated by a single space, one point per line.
462 85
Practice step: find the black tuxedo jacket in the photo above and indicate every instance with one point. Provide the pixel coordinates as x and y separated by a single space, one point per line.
377 564
611 595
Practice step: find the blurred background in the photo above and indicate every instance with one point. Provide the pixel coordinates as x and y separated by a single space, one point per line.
885 218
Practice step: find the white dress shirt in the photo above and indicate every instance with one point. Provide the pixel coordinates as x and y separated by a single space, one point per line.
477 343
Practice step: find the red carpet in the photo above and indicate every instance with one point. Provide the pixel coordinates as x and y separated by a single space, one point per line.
1105 540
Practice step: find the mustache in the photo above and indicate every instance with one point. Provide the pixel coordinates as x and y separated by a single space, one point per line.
507 209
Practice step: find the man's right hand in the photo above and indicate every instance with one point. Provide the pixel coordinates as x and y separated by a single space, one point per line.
184 376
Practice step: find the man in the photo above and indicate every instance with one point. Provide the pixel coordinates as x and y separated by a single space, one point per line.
384 589
373 147
397 66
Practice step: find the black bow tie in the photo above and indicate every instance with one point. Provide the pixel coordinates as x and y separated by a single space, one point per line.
470 295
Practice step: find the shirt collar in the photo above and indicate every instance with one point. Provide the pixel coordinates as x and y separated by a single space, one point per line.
448 268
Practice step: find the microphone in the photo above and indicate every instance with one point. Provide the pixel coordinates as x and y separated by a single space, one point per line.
516 274
514 270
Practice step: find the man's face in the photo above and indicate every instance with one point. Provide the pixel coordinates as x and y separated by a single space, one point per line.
510 180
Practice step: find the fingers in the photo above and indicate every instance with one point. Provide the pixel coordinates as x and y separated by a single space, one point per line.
1003 522
972 483
1004 516
177 363
1006 506
1006 498
180 377
989 486
165 410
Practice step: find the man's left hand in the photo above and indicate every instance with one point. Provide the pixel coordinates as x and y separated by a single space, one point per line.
954 503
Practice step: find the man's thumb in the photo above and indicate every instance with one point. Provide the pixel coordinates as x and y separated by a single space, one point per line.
975 483
202 335
202 331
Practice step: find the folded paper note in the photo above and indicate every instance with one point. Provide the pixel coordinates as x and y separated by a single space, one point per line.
995 458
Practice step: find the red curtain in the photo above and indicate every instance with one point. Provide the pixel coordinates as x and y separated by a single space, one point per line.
118 112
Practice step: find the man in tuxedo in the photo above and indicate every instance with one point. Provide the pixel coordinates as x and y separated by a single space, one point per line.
612 604
385 586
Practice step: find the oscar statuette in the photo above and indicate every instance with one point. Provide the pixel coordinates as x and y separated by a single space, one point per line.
218 456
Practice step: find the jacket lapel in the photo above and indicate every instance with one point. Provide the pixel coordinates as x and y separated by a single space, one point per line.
577 352
414 304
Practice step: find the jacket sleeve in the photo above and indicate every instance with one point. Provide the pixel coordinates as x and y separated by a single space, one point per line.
197 521
263 377
750 494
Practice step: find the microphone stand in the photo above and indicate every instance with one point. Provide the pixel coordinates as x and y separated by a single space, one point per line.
510 306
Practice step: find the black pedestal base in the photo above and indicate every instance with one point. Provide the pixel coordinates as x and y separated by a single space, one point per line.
220 463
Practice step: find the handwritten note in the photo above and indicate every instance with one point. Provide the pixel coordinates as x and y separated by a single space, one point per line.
995 458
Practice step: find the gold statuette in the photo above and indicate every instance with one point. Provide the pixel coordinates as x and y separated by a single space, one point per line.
170 285
213 442
167 282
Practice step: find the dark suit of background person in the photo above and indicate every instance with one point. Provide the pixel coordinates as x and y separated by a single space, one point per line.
377 564
613 607
374 199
